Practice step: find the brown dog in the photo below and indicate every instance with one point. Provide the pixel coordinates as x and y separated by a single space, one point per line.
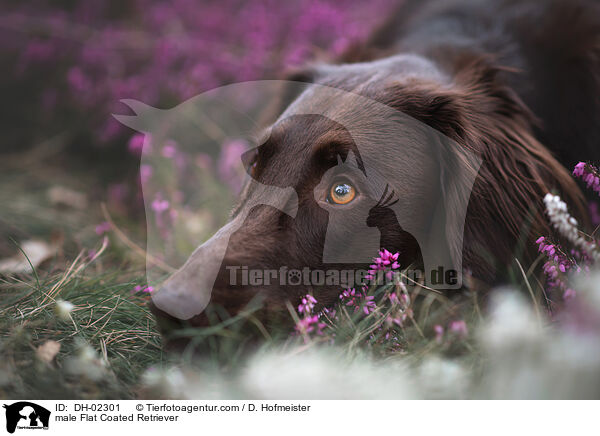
514 83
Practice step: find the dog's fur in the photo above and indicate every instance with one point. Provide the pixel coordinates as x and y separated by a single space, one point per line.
515 82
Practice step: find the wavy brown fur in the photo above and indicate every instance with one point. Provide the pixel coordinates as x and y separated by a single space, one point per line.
488 119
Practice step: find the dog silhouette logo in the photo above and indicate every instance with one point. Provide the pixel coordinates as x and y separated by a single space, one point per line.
425 203
26 415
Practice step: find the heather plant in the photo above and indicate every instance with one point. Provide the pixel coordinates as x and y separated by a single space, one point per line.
380 314
514 352
82 58
578 252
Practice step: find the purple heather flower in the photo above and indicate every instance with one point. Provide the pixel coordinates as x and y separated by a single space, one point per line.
309 325
307 304
146 289
566 225
102 228
369 305
589 174
560 265
136 144
146 172
439 333
159 205
359 300
459 327
77 80
229 166
106 65
579 169
386 262
169 150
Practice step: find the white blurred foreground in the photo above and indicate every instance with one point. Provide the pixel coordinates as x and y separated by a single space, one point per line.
519 354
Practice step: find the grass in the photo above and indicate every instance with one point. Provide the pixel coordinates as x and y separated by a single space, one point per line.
113 321
107 316
110 347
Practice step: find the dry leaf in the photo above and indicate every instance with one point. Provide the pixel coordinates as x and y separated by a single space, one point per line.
36 251
48 351
61 196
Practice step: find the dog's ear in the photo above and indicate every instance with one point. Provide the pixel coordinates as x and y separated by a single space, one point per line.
483 119
458 170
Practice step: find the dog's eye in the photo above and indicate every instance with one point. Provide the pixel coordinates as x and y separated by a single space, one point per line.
250 161
341 193
252 168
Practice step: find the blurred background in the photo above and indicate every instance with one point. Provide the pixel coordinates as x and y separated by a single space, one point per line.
73 316
67 65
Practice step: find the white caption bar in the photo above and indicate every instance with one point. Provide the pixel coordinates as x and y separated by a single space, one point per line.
158 417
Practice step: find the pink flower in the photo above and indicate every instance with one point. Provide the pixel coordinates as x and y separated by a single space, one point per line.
136 144
77 80
159 205
589 174
386 262
369 305
307 304
439 333
145 173
169 150
459 327
309 325
102 228
559 264
359 300
578 170
229 166
146 289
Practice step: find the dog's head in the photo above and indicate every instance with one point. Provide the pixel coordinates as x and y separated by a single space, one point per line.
400 154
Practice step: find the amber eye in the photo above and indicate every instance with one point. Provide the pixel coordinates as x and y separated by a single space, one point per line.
341 193
252 169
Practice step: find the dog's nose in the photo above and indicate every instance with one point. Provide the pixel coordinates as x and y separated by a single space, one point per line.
183 296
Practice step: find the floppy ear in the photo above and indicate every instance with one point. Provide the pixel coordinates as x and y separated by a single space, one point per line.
480 117
458 171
